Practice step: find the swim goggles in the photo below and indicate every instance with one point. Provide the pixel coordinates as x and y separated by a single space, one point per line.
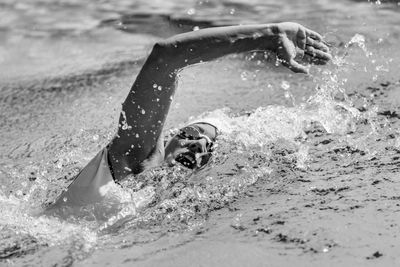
189 159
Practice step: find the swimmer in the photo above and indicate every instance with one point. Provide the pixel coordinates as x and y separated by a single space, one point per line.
139 145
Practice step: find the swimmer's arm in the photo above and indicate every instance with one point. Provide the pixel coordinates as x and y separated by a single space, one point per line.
288 40
146 107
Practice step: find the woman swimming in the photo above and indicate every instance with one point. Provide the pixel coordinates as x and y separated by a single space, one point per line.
139 145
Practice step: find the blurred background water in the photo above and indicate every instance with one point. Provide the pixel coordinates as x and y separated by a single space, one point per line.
66 66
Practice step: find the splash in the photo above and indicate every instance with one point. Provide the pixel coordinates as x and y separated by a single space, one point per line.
43 230
333 86
359 40
178 198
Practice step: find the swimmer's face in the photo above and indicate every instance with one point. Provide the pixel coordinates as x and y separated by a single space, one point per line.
191 146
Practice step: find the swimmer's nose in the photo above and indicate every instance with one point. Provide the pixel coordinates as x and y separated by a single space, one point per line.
198 146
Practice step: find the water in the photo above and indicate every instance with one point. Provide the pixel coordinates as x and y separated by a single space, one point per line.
306 165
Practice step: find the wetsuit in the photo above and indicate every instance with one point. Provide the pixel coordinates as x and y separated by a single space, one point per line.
90 185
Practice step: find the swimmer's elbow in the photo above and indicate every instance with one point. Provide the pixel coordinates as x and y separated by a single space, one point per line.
166 51
163 49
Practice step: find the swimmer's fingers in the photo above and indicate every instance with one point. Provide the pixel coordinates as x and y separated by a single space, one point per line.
328 44
294 66
314 60
317 44
314 35
316 49
317 53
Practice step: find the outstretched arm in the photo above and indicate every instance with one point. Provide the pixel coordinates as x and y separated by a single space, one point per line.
146 107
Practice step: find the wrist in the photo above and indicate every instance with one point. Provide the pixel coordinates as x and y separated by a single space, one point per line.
271 36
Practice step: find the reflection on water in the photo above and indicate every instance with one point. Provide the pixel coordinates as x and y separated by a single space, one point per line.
60 61
45 37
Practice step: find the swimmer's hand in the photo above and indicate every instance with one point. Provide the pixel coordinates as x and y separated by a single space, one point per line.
297 42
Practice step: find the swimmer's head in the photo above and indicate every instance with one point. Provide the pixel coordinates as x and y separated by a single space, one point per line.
192 145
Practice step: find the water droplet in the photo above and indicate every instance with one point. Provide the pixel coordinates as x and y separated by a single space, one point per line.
381 68
127 169
191 11
137 135
244 76
359 40
143 111
159 88
285 85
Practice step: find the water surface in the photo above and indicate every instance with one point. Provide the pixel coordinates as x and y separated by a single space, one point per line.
306 165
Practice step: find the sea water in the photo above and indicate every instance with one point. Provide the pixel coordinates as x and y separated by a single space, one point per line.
66 66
